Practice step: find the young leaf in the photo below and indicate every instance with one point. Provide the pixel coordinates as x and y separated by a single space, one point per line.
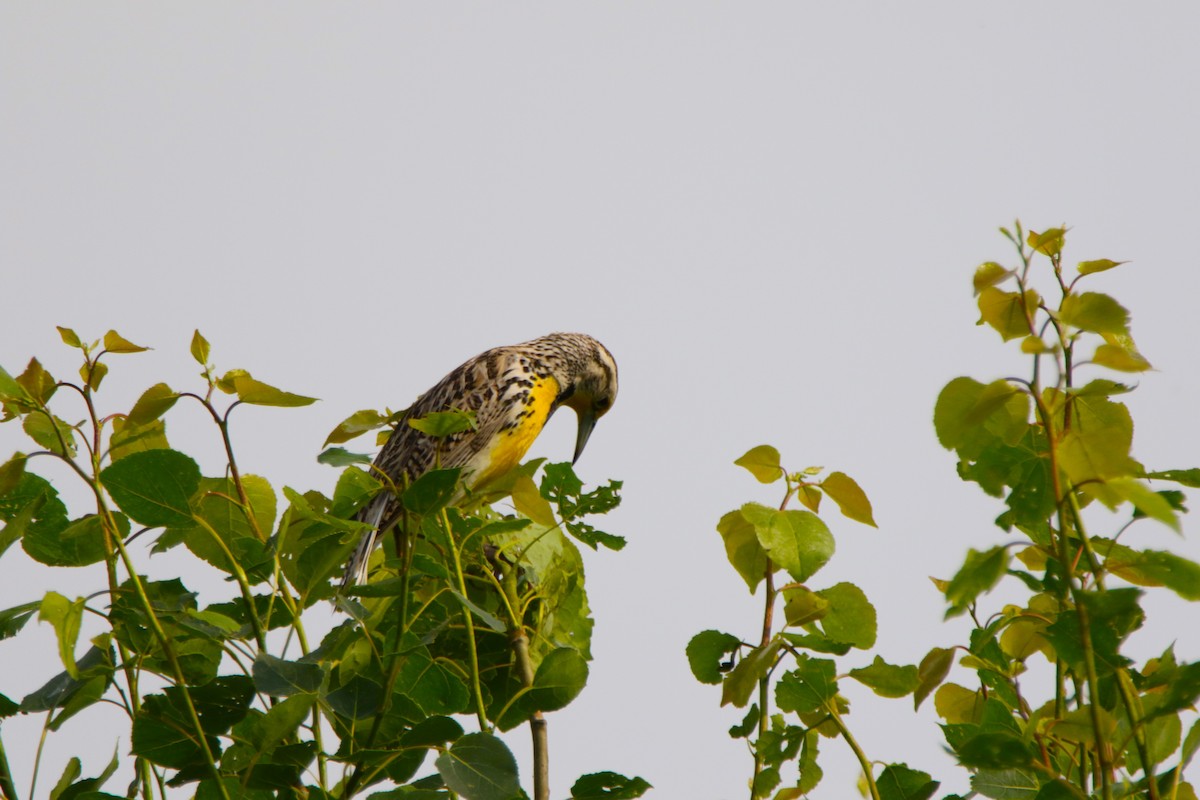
69 336
989 274
1099 265
850 618
849 496
200 348
258 393
38 382
1120 358
66 616
1008 312
443 424
1049 242
762 462
153 403
1096 312
116 343
528 500
355 425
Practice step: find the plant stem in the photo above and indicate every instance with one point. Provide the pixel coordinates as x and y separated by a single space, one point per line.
469 623
7 790
868 773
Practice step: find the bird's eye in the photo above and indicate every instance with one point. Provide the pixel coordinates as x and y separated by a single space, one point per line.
602 404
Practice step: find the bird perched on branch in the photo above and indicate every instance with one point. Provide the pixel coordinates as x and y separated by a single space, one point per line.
513 391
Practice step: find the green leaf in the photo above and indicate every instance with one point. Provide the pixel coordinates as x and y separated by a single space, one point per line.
1006 784
1049 242
78 544
13 619
1155 568
898 782
1006 311
801 605
1184 477
66 616
431 492
92 374
1145 500
443 424
221 703
797 541
38 382
341 457
989 274
163 735
153 487
200 348
559 679
741 682
31 510
1182 692
11 472
116 343
487 618
72 771
69 695
50 432
255 392
707 652
69 336
608 786
934 668
479 766
128 438
1096 312
153 403
355 425
994 750
280 678
850 498
888 680
528 500
1120 358
742 548
762 462
228 528
978 574
808 687
1099 265
1097 445
850 617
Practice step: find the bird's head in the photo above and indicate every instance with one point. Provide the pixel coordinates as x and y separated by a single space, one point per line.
587 381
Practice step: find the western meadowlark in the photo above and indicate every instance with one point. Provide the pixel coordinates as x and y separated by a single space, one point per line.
513 391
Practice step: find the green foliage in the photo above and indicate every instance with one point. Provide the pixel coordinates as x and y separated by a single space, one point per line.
1058 450
787 665
470 612
1052 445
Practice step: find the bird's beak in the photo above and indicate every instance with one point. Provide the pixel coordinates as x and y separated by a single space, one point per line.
587 421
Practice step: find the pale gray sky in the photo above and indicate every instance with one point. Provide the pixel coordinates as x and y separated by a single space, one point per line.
769 212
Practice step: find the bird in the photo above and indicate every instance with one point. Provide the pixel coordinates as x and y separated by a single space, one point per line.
513 391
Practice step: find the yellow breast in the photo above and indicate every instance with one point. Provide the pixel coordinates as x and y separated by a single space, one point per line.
512 443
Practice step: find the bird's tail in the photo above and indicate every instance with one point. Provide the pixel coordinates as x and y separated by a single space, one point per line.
356 567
